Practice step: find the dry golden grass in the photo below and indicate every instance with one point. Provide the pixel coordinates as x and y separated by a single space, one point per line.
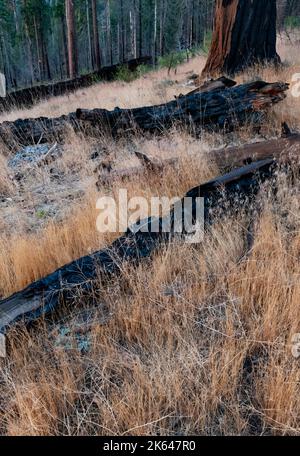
196 341
6 184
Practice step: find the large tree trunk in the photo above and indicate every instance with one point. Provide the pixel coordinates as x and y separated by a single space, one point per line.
244 34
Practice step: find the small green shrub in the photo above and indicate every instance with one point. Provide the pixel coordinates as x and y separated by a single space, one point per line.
292 22
124 74
171 61
143 69
41 214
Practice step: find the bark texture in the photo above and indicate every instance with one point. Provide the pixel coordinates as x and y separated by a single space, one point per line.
244 34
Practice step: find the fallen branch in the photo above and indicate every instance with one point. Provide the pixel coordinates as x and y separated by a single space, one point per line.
44 296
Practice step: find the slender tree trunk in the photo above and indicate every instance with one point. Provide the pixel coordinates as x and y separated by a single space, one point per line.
96 35
65 48
72 50
123 33
244 34
29 50
37 48
90 54
108 31
140 29
155 32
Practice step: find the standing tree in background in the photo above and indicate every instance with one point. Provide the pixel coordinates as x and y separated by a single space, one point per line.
109 41
72 47
97 57
244 34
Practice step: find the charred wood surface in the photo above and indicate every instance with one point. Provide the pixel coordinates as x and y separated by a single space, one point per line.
223 109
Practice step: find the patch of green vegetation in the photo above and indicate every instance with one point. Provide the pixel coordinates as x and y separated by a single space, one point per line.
41 214
95 78
143 69
292 22
172 60
124 74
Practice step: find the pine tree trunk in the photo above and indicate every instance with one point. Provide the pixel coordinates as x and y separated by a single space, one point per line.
244 34
89 37
109 43
140 29
123 33
96 36
72 51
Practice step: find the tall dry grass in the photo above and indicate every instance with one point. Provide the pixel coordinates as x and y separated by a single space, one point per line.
194 342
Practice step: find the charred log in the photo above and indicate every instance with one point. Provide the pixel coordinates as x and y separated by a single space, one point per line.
213 85
45 295
218 108
25 98
222 109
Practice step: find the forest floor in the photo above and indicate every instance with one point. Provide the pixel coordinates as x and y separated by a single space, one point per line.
197 341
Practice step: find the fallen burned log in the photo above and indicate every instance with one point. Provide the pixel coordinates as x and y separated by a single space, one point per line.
219 108
27 132
44 296
223 109
24 98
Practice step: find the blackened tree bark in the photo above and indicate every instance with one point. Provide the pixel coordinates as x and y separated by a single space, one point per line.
244 34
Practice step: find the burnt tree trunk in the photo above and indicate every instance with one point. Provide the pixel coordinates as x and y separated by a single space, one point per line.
244 34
